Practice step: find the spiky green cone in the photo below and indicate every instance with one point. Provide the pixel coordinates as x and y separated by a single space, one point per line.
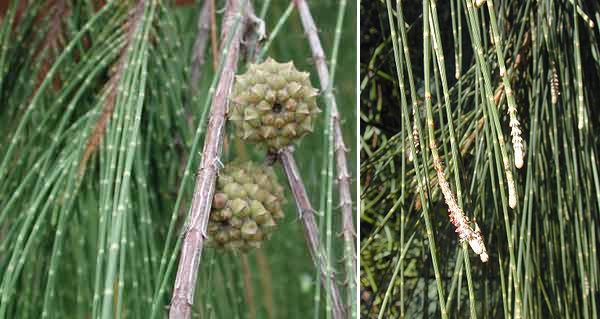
273 104
246 206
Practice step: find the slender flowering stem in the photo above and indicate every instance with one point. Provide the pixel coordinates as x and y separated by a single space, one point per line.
421 176
515 130
493 111
195 233
457 217
439 54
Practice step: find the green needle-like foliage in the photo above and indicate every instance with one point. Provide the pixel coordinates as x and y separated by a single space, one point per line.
101 130
479 159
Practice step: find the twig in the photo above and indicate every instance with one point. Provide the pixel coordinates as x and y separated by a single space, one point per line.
254 36
249 292
311 231
198 56
265 283
340 149
199 52
213 33
195 233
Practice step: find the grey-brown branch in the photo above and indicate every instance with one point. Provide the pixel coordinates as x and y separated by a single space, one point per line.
195 232
199 51
199 55
340 149
311 231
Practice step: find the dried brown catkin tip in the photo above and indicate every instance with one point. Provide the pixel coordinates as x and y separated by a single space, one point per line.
517 143
518 157
512 192
554 86
415 134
